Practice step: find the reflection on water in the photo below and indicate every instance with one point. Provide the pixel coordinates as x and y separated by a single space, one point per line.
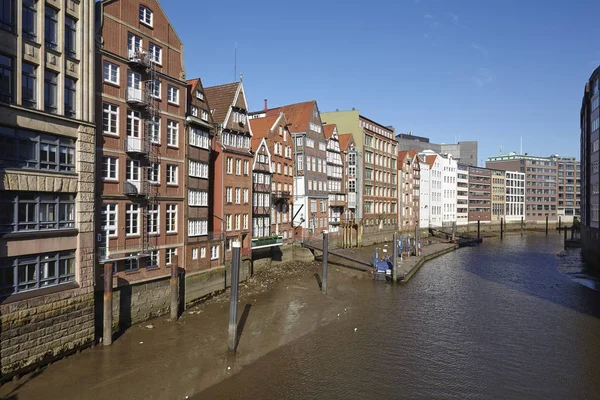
495 321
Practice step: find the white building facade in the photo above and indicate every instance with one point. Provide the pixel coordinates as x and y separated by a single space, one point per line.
449 187
424 199
515 196
462 195
435 188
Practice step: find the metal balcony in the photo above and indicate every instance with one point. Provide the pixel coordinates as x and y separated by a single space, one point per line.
135 188
135 96
139 58
136 145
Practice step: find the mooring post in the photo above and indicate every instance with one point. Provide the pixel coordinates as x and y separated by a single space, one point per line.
395 258
233 298
546 224
572 232
478 229
559 224
521 225
565 234
417 240
501 228
174 288
108 300
325 251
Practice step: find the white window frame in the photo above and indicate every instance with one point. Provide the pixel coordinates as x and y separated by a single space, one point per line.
146 15
156 87
195 253
155 132
194 110
153 215
172 174
111 168
132 210
172 133
169 253
155 178
246 195
113 110
153 52
214 252
202 252
112 69
111 209
171 213
172 94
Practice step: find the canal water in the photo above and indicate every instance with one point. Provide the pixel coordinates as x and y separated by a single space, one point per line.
498 321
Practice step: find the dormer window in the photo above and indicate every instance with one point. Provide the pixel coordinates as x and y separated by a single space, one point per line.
204 116
199 95
146 16
194 111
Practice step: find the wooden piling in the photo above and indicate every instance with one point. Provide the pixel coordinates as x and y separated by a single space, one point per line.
108 306
501 228
546 224
174 289
521 225
325 252
233 298
478 229
395 259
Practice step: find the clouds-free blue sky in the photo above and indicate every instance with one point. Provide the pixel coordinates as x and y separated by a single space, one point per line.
486 70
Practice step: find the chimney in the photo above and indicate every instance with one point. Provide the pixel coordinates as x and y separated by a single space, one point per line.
266 108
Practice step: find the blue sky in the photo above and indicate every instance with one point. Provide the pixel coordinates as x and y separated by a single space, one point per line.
486 70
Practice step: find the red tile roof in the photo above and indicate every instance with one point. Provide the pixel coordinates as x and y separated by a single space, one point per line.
344 140
328 130
255 143
191 84
298 115
431 160
220 99
261 126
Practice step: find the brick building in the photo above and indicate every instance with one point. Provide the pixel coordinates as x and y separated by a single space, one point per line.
310 207
409 182
480 194
198 180
140 141
232 165
569 188
335 178
47 179
278 139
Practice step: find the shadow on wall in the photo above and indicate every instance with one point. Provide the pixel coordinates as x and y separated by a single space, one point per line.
124 290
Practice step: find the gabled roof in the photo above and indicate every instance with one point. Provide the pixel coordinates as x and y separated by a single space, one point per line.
344 139
430 159
191 84
402 154
220 99
261 126
298 115
328 130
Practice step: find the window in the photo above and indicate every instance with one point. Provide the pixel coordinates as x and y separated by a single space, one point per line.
202 252
132 219
173 94
154 259
237 222
198 198
245 221
29 90
170 255
51 28
155 53
246 167
300 163
146 16
171 218
108 220
194 111
229 165
50 91
154 88
132 172
70 37
172 133
238 195
110 168
153 219
132 263
194 253
110 119
26 149
154 130
199 95
198 169
134 123
70 97
134 45
199 138
197 227
228 195
172 174
29 19
214 252
245 195
238 166
28 211
6 79
25 273
310 143
204 115
228 222
154 173
111 73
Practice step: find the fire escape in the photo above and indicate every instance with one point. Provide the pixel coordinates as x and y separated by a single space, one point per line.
139 147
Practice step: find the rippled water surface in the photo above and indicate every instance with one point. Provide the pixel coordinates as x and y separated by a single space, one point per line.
495 321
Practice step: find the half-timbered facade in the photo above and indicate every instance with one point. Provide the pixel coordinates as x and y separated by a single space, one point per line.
261 196
231 160
335 175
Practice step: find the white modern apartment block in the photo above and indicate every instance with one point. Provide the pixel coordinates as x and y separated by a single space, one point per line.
462 195
424 200
449 174
436 190
515 196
